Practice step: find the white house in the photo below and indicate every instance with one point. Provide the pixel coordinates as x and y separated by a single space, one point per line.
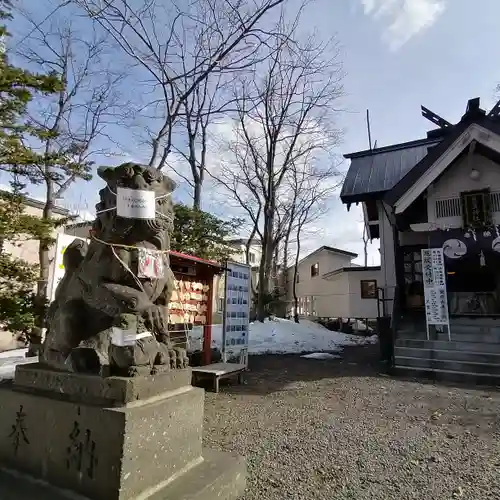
440 192
240 245
329 285
28 249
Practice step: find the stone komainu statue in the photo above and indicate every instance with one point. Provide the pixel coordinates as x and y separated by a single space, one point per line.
101 294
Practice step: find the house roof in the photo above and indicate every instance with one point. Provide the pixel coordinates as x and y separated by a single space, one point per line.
488 123
32 202
349 269
243 241
80 224
338 251
373 172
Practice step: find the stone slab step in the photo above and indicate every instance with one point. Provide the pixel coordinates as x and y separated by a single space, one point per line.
486 338
475 321
469 329
221 476
471 337
448 355
449 365
448 376
446 345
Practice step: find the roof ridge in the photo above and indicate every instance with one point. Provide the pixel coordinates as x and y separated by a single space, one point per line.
393 147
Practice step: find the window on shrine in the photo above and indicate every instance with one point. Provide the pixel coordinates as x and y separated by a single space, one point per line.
476 208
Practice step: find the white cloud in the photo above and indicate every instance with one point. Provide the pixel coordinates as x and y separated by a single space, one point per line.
405 18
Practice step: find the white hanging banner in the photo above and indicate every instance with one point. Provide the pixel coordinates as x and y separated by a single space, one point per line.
135 203
436 297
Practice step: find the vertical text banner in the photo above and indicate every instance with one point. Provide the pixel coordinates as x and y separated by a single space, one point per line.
236 319
436 298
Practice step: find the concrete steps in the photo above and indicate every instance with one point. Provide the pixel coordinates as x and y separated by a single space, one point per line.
444 345
473 354
471 336
449 355
448 376
449 365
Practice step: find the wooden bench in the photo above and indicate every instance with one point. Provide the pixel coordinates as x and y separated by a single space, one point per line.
218 371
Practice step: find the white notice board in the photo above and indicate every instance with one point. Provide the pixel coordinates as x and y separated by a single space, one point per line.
436 298
57 270
236 319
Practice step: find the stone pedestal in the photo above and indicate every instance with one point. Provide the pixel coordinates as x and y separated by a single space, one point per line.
112 438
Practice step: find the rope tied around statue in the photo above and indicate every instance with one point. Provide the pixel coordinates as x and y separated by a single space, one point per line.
150 266
141 274
138 204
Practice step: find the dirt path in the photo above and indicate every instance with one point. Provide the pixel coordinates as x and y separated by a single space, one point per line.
336 429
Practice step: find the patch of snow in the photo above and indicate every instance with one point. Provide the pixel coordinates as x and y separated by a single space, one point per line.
281 336
14 353
277 336
321 355
10 359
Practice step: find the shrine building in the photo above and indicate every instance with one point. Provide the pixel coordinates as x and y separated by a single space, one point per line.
434 203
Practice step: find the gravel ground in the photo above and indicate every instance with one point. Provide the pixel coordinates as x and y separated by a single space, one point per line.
337 429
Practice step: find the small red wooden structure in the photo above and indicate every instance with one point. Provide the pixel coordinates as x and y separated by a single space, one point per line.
192 300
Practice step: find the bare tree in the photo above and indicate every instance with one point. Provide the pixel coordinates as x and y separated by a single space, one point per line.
200 109
284 117
311 206
171 43
73 122
309 189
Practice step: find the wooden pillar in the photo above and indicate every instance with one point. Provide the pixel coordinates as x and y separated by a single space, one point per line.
207 329
399 268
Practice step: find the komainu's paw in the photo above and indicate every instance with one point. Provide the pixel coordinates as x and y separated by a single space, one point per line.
182 358
173 359
162 358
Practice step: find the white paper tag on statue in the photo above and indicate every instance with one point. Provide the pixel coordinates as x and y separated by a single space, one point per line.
123 338
150 264
135 203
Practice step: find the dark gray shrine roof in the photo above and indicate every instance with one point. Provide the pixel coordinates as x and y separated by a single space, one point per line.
390 171
376 171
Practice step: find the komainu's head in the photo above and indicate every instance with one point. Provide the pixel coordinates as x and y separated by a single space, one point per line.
113 228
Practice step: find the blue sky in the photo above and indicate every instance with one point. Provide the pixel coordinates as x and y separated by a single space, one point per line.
454 56
397 55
